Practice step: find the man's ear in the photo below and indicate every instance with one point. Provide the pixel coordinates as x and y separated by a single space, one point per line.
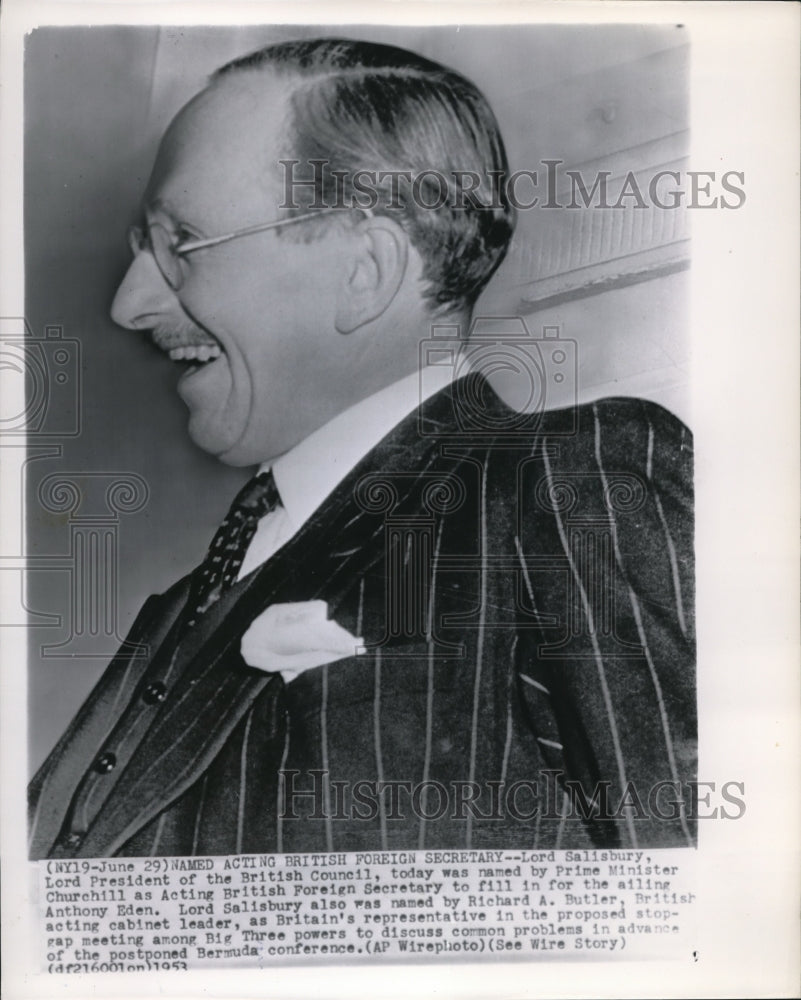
375 271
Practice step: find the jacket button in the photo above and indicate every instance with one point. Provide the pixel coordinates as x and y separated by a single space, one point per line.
105 762
154 693
72 839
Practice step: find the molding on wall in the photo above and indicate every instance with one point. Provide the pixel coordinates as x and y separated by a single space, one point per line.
573 252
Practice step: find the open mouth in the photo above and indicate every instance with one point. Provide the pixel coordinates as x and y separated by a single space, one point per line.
191 357
196 354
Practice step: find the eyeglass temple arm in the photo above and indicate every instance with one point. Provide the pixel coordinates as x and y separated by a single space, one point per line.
190 245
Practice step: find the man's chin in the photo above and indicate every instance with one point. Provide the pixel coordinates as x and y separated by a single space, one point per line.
237 459
233 451
214 440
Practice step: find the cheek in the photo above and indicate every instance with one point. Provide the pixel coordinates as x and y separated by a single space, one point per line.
231 293
270 311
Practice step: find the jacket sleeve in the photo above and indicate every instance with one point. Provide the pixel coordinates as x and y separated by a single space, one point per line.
614 684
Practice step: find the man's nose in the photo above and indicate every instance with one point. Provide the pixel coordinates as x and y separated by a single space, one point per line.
143 295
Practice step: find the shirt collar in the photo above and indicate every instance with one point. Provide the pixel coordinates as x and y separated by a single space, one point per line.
307 473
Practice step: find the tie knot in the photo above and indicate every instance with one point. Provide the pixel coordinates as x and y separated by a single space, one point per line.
258 496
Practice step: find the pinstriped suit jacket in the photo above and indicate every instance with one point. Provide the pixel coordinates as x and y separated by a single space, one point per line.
524 586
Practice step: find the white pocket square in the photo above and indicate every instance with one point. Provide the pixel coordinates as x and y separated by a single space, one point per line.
291 638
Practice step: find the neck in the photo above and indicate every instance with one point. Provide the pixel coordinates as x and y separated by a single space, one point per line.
408 346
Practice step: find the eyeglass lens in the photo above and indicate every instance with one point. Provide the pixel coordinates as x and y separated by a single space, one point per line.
158 241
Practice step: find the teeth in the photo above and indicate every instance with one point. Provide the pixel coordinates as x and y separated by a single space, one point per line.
194 352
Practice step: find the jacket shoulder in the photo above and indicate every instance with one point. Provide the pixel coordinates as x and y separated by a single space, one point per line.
626 430
631 411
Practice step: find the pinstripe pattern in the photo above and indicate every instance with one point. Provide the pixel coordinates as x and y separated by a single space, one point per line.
34 825
122 686
243 783
54 783
635 607
225 695
537 824
421 841
228 706
84 811
599 663
145 795
199 814
480 646
187 731
549 743
560 830
671 548
157 838
507 743
85 804
168 673
329 833
279 822
379 756
504 710
360 611
526 577
534 684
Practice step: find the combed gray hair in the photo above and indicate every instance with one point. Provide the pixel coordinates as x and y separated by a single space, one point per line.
360 106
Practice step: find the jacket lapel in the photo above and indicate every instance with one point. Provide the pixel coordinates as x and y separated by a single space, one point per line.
214 688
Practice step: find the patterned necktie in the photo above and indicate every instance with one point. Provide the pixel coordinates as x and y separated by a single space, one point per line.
218 571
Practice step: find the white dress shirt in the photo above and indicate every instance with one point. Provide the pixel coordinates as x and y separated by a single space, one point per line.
310 471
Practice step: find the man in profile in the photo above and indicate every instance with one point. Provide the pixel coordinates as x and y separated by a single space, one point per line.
428 620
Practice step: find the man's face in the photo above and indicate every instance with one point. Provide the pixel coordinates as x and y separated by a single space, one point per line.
252 321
